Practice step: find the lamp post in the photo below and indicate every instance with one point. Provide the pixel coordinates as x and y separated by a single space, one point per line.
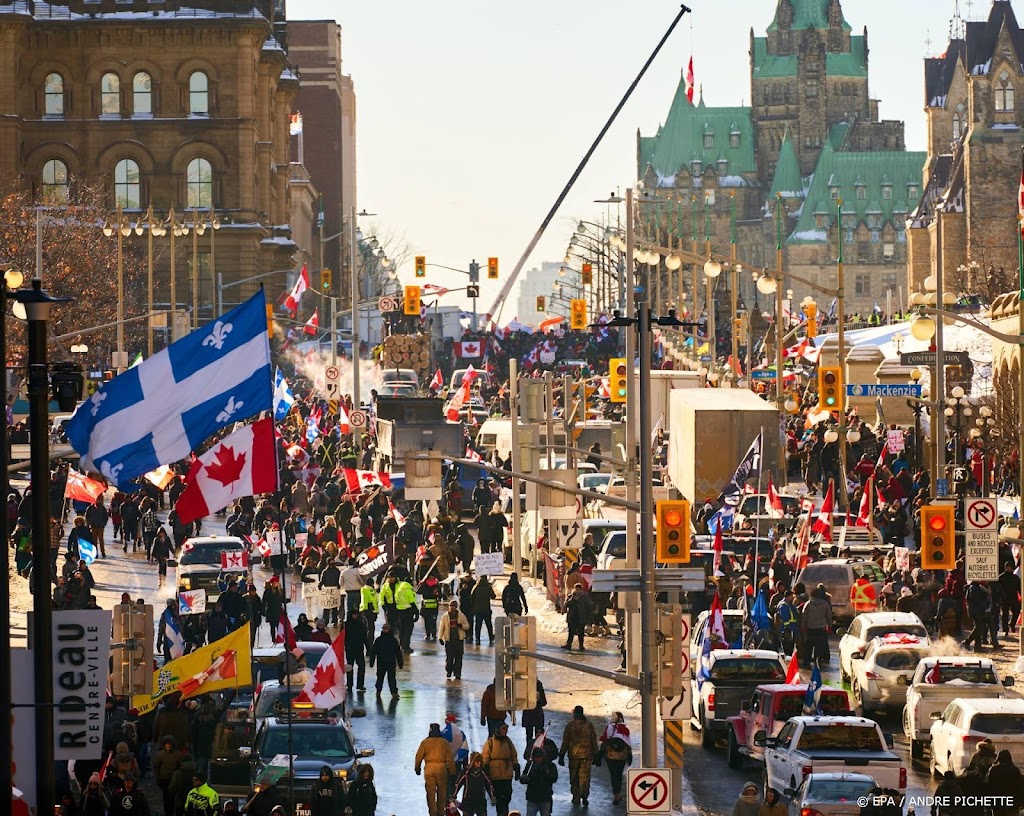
178 230
123 230
918 408
37 303
712 269
957 410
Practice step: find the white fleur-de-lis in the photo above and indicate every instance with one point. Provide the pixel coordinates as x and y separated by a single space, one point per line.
111 472
96 399
229 409
218 335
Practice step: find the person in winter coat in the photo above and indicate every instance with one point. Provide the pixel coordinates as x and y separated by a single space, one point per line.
362 795
182 782
164 763
578 613
476 788
253 612
328 795
1004 779
161 552
95 801
579 741
533 718
202 800
749 802
617 750
331 577
97 517
129 800
490 714
172 722
513 599
772 806
430 598
453 632
539 776
434 761
482 595
273 604
303 628
356 644
946 791
124 761
466 599
501 764
386 652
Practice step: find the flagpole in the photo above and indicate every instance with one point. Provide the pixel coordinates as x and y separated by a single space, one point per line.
757 528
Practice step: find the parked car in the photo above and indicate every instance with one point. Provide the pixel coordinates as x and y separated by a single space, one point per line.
882 671
838 575
957 731
830 794
869 625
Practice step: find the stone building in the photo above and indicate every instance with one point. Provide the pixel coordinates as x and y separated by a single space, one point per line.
773 173
974 158
182 107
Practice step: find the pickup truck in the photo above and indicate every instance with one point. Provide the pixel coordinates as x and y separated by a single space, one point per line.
732 675
936 683
770 707
811 744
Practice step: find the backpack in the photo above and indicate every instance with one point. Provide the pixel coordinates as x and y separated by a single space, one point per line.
616 749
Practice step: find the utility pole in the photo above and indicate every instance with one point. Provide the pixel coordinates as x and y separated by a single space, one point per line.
630 472
355 320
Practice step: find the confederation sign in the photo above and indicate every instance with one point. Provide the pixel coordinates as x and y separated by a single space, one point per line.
869 390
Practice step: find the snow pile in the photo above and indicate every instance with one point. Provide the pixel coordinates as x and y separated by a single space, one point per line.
549 619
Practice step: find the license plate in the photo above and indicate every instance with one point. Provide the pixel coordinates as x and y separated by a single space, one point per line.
902 680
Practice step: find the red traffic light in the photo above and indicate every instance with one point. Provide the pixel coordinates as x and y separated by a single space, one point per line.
829 377
673 518
937 523
620 369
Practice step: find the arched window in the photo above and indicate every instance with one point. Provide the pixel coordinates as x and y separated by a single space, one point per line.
1004 93
958 122
198 94
142 94
200 184
53 91
127 188
55 182
110 95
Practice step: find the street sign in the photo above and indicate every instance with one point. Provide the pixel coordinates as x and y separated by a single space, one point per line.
678 707
649 791
927 358
332 382
670 579
387 304
981 519
570 535
888 390
942 487
764 374
357 419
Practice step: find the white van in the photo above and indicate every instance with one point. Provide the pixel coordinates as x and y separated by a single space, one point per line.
392 376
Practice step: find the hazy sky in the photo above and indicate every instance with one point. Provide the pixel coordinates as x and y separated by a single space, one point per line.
473 114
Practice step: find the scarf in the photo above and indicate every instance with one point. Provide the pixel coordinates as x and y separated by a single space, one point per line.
620 730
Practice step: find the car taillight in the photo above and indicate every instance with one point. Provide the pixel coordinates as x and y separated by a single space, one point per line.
903 778
711 701
806 770
870 675
968 739
809 812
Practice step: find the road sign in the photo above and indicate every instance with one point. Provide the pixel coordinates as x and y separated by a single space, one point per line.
763 374
678 707
332 382
357 419
670 579
927 358
387 304
890 390
570 535
981 519
942 487
649 791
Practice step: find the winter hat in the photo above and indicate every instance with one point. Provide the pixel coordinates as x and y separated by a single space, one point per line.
94 778
450 718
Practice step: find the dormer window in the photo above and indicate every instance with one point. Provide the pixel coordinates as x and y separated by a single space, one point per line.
887 192
734 139
709 141
861 192
912 191
834 190
723 166
696 167
1004 93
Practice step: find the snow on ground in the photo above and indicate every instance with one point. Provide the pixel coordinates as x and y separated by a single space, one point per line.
549 619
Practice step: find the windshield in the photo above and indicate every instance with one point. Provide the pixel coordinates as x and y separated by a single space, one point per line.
871 571
965 674
838 790
319 740
792 705
998 723
207 553
594 480
748 669
839 737
273 702
896 629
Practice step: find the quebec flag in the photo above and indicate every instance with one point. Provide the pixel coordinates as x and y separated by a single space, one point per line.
284 399
164 408
812 700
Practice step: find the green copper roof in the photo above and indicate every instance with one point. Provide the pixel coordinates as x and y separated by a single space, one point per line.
847 171
681 140
787 182
808 14
770 66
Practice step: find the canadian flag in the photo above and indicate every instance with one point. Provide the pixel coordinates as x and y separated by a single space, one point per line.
398 517
264 548
470 375
468 348
284 632
81 488
360 480
223 668
716 568
689 80
864 513
234 559
797 350
823 524
458 399
774 502
243 463
343 421
313 324
291 303
438 382
326 685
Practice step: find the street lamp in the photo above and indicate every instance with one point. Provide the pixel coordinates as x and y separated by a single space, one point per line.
957 411
712 269
123 229
918 408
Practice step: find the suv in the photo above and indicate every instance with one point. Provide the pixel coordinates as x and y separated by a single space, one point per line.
200 563
869 625
883 669
957 731
838 575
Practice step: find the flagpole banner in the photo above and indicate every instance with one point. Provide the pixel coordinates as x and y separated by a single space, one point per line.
748 468
167 406
81 669
225 663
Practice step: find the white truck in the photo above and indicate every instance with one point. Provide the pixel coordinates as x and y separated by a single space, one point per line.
940 680
811 744
732 676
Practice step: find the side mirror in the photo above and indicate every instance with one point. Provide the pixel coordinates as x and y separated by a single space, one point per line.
760 739
857 656
841 631
745 705
367 752
789 792
936 715
1007 681
890 740
244 752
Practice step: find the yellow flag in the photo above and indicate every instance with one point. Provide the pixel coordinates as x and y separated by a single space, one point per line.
704 349
225 663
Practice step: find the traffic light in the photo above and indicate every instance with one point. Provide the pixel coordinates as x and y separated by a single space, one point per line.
472 290
578 315
811 310
411 305
325 281
830 388
492 268
673 531
938 536
587 274
739 327
617 378
421 266
540 303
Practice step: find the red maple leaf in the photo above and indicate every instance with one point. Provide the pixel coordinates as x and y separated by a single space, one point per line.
323 679
226 467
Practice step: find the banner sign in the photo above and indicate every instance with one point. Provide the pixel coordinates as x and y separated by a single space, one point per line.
376 559
81 666
489 564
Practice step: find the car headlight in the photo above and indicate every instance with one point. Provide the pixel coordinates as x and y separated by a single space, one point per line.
185 583
342 773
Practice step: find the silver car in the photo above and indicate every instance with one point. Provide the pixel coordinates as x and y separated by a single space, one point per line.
830 794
